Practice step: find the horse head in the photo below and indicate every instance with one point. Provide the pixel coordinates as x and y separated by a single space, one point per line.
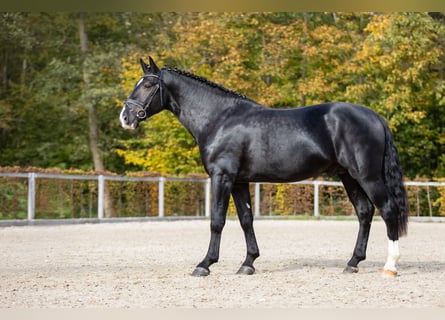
146 98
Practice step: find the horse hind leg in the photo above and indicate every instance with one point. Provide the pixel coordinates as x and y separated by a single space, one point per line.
365 212
389 214
382 199
390 268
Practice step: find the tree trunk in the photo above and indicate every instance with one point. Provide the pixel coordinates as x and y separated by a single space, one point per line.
304 64
92 117
5 72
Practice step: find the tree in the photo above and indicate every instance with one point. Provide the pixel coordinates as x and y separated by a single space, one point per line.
391 62
90 105
45 123
35 91
394 73
275 59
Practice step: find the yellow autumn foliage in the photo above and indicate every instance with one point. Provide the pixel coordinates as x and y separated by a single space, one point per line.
291 59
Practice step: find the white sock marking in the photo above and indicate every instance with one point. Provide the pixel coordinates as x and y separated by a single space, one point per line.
393 256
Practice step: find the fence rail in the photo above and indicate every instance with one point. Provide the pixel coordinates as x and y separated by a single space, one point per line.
102 179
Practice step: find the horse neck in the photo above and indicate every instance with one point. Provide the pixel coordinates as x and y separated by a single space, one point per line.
199 104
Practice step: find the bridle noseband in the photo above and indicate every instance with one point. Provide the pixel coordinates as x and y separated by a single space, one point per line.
141 114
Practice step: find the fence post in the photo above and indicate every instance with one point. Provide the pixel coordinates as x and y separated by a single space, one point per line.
257 199
100 197
31 195
161 197
207 200
316 196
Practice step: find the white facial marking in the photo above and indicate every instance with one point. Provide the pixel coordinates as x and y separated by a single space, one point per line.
121 116
393 256
139 82
247 205
123 123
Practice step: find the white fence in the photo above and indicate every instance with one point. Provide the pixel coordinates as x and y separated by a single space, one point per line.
101 180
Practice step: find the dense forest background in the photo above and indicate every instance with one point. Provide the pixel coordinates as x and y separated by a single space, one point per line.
64 77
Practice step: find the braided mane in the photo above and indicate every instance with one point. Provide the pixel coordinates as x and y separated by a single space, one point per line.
205 81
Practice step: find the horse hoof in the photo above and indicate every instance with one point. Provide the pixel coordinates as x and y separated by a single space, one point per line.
350 269
200 272
389 273
246 270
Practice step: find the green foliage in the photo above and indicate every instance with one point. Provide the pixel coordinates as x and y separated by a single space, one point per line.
391 62
166 148
13 198
44 119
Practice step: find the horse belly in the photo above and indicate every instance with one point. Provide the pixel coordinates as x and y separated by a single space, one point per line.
283 163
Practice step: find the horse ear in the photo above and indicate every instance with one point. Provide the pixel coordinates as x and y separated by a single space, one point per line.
145 67
154 67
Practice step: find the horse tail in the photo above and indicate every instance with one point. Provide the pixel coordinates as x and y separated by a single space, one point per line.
393 178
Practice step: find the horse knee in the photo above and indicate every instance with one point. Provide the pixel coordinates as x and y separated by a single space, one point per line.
365 218
217 225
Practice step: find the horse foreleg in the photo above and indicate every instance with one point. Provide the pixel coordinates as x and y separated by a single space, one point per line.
241 196
221 189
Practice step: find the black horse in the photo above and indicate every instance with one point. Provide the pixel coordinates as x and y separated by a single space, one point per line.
241 141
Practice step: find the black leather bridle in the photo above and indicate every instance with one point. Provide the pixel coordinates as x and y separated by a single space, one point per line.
142 112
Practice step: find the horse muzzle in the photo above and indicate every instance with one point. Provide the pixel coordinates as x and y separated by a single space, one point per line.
128 120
